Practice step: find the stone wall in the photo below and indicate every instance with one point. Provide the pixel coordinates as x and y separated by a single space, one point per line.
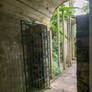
11 63
12 77
83 53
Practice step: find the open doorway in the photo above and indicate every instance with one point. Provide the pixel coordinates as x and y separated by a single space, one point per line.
60 73
65 49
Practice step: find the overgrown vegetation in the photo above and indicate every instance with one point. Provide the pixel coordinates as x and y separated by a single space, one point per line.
85 8
63 10
53 28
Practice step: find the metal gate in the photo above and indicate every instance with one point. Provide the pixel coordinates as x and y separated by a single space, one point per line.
35 55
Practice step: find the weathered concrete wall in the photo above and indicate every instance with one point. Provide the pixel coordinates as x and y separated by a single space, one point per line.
83 53
11 64
40 10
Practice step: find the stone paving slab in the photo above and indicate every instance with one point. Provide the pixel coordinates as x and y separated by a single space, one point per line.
67 82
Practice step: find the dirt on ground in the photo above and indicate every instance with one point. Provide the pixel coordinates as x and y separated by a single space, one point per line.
67 82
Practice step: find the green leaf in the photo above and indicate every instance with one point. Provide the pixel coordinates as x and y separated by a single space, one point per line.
68 14
66 36
53 27
61 33
63 8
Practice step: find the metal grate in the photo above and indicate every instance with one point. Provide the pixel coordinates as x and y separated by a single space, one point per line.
35 55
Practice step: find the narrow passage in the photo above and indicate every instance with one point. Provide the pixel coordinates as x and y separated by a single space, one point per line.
67 82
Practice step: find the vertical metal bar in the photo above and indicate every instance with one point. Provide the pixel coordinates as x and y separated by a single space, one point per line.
31 63
38 59
37 45
29 60
44 79
45 64
32 60
48 56
22 40
34 79
41 58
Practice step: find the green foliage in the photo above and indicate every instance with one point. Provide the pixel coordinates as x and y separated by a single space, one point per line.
54 16
68 14
53 28
56 69
33 20
63 8
85 8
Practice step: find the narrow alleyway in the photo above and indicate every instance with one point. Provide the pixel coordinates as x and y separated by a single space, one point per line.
67 82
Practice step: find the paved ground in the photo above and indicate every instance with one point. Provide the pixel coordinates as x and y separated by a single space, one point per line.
66 82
